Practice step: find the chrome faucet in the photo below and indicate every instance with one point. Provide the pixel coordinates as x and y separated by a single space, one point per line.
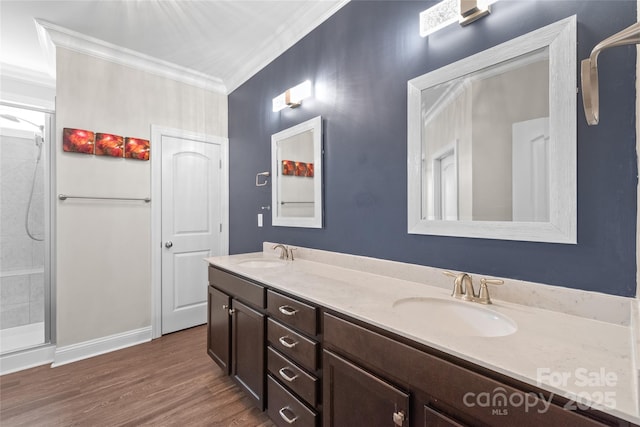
468 292
284 251
463 288
484 298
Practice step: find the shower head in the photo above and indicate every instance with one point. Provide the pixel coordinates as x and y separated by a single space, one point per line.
10 117
18 120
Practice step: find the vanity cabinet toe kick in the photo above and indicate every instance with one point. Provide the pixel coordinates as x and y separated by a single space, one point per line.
312 366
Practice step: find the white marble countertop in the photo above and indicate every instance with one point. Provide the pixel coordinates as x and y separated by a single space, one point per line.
587 361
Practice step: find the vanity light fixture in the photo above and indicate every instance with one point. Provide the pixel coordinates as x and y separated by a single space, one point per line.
292 97
449 11
589 70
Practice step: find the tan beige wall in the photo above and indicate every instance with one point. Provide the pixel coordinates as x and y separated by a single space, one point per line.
103 254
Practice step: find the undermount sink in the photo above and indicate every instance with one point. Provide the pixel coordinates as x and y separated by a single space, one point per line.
454 317
261 263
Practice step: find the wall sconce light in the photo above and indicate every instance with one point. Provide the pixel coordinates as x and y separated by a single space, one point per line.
292 97
448 11
589 70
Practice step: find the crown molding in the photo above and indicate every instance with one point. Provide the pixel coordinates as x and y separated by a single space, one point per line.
78 42
277 44
27 75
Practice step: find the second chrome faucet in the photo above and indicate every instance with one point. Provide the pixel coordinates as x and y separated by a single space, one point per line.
285 251
463 287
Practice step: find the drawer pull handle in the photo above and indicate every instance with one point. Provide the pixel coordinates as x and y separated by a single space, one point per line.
287 310
286 377
285 417
284 342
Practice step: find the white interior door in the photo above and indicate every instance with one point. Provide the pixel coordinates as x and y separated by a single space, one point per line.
531 170
191 223
445 183
449 188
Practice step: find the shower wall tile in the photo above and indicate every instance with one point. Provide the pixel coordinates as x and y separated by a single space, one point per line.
13 196
11 219
12 211
36 293
14 315
37 250
38 188
14 290
21 297
17 148
36 312
16 178
16 253
36 221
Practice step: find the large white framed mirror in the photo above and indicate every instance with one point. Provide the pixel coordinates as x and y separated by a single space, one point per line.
296 167
491 150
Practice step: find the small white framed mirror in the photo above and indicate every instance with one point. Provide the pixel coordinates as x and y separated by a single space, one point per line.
492 142
296 167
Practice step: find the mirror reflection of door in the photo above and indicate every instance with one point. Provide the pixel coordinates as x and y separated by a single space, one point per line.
445 184
480 112
296 175
531 170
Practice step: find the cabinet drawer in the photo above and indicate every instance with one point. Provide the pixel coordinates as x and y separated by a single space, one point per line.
292 344
294 313
284 409
301 383
448 383
237 287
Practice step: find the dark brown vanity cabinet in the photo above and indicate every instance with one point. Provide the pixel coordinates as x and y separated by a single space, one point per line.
309 366
293 361
235 338
441 392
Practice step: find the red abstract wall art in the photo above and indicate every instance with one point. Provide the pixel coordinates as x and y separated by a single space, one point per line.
136 148
109 145
78 141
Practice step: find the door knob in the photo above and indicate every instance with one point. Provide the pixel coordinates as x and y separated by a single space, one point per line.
168 244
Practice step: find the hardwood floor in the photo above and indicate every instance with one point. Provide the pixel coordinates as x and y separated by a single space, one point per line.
169 381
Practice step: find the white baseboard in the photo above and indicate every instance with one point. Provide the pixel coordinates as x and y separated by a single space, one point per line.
14 362
87 349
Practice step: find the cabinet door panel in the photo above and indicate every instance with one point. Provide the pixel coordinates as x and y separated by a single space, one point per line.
354 397
248 350
218 337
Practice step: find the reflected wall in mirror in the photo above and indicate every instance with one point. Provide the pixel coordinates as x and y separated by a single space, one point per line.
296 164
492 142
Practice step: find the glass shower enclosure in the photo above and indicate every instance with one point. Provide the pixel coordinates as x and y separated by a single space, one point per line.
25 223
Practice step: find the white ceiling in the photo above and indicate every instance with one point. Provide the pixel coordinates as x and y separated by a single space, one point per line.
229 40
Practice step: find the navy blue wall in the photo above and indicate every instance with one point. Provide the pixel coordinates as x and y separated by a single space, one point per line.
359 61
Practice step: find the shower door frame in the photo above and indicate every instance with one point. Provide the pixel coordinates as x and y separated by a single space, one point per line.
49 274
